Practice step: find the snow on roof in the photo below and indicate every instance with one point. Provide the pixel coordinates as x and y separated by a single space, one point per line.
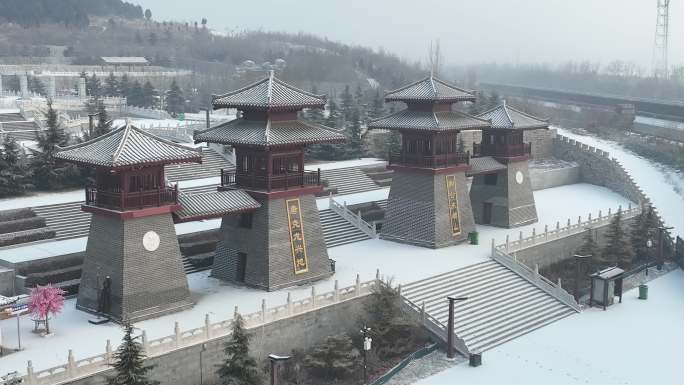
124 60
593 347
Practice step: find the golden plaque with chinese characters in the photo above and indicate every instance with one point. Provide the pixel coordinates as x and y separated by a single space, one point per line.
452 200
297 241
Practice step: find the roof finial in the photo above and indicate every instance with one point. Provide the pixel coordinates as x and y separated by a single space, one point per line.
271 75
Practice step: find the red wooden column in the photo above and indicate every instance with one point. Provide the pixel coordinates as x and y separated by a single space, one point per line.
269 169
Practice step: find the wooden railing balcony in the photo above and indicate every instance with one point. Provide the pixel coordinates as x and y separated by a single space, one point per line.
502 150
123 201
429 161
236 179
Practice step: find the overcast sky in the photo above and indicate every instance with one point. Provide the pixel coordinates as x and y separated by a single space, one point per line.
470 31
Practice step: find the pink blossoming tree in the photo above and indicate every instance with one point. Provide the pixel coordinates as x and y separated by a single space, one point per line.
46 300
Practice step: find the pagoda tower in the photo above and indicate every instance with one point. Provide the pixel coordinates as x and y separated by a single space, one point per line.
505 198
428 203
132 268
281 243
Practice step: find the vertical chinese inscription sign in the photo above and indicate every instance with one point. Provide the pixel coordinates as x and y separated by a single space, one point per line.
297 241
452 200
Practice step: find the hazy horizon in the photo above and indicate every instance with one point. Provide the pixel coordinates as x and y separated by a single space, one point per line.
504 31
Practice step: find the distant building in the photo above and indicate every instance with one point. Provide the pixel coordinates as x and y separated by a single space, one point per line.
126 61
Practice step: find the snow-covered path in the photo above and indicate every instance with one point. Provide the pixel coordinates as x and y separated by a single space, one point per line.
662 184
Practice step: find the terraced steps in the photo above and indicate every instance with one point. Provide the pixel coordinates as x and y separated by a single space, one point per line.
348 180
212 163
501 305
337 231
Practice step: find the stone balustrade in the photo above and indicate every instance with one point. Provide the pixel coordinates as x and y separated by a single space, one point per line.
74 369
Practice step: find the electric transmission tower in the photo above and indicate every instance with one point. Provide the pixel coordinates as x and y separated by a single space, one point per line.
662 34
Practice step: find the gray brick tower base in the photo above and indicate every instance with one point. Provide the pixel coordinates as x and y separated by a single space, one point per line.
418 210
512 203
269 262
144 284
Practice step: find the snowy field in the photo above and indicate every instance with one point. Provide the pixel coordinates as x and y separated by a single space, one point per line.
635 342
218 299
662 184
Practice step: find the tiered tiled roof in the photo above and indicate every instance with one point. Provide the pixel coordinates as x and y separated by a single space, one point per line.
507 117
214 204
268 133
430 89
269 93
128 146
429 121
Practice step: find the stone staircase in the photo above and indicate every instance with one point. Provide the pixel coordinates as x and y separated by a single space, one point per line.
337 231
212 163
348 180
501 306
66 219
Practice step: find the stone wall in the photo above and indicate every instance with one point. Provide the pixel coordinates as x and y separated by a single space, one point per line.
182 366
597 167
545 254
547 178
6 282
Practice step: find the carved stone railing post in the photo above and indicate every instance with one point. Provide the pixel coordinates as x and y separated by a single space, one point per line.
71 364
336 292
546 232
30 376
109 354
145 343
313 297
207 326
289 303
508 243
263 311
177 334
357 288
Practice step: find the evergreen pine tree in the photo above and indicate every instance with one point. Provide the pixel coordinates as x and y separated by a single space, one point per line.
129 362
175 102
111 87
239 368
335 358
49 174
13 170
149 95
136 95
93 87
347 104
315 114
104 125
377 109
353 133
493 101
618 251
124 87
36 86
639 235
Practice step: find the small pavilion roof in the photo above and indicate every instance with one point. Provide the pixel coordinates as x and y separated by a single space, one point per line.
213 204
269 93
128 146
268 133
430 89
429 121
507 117
484 165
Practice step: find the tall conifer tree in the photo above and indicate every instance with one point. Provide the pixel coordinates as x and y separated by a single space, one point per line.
129 361
239 368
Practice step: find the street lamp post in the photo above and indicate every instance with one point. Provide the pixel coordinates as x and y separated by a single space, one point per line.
578 273
203 349
450 325
367 341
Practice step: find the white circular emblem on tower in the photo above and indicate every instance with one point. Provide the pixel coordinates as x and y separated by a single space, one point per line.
151 241
519 177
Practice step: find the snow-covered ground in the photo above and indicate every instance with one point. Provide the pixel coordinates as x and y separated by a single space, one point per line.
218 299
636 342
43 198
659 122
662 184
